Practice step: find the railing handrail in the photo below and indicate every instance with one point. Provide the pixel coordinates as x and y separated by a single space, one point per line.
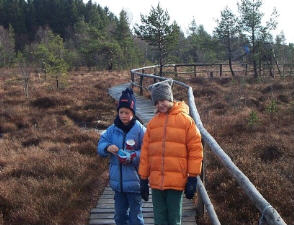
277 69
268 212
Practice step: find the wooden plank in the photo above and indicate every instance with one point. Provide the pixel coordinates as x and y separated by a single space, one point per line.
100 221
144 205
111 210
110 216
107 196
96 221
104 206
109 205
106 200
189 223
111 221
108 189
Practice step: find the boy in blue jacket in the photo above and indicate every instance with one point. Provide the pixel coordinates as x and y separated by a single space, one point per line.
122 143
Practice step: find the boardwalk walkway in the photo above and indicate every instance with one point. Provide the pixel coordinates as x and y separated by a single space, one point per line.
104 211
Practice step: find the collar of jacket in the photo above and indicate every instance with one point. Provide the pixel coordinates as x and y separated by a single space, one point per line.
124 128
178 107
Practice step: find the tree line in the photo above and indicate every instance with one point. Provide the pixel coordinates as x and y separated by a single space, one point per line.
91 36
58 35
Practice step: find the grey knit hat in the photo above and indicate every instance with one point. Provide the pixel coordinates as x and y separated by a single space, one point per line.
161 91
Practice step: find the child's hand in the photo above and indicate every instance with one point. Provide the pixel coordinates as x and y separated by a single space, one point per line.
112 149
144 189
190 188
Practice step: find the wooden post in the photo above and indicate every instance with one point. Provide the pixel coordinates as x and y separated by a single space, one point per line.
175 70
57 84
155 71
132 79
263 69
141 85
272 69
26 87
220 70
259 64
211 74
278 67
194 71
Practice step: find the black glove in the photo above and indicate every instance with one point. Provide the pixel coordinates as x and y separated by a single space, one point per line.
144 188
191 187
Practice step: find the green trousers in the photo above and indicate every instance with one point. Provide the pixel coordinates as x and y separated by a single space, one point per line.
167 207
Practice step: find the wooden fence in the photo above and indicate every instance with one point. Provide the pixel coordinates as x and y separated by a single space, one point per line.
269 215
223 70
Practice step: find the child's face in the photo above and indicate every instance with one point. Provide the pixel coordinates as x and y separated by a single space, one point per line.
163 106
125 115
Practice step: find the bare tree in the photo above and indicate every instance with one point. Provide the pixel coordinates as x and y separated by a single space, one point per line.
7 52
25 72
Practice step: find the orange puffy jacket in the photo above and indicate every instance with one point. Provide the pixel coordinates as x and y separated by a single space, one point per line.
171 150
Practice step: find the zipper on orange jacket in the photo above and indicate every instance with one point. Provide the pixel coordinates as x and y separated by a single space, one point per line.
163 150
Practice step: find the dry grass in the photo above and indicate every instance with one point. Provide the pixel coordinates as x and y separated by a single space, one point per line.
54 176
49 170
254 123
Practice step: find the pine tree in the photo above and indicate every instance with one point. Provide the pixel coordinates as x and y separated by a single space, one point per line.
157 31
251 25
226 31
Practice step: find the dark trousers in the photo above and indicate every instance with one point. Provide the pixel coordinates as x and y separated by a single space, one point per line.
167 207
128 208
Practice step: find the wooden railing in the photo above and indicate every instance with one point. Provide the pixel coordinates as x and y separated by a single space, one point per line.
269 215
222 69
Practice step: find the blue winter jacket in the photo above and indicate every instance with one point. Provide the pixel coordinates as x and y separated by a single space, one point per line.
122 177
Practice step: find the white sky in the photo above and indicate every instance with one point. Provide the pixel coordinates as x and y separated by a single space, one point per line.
205 12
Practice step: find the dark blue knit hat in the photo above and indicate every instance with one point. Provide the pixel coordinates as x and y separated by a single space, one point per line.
127 100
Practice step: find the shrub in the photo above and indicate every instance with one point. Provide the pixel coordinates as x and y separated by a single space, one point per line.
272 107
253 119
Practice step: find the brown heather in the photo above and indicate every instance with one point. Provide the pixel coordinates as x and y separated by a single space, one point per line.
50 173
262 149
49 170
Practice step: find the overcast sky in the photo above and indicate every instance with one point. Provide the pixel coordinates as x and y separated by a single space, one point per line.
205 12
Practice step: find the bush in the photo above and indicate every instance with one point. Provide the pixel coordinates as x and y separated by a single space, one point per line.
272 107
253 119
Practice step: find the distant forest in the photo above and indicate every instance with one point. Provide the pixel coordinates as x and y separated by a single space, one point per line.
58 35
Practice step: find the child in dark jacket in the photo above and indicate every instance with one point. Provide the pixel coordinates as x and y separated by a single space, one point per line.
171 156
122 143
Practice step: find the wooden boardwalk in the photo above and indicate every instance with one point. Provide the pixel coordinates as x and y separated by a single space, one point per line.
104 211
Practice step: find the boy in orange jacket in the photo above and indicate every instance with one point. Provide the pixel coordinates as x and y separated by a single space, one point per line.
171 156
